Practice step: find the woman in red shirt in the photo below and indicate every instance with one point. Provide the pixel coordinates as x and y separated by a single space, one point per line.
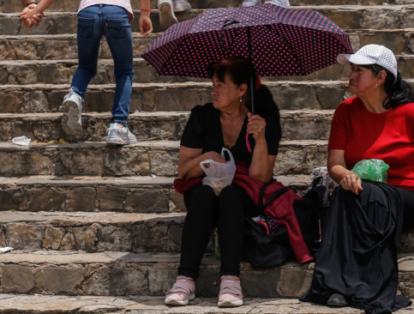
357 260
376 124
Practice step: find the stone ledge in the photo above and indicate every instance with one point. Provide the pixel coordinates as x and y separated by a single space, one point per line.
155 305
296 125
72 6
289 95
62 71
117 274
145 158
124 273
94 194
43 47
92 232
346 17
167 97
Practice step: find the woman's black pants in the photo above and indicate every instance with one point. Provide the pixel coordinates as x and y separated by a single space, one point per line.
206 211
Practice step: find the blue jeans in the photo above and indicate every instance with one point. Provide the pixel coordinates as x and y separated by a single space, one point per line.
112 22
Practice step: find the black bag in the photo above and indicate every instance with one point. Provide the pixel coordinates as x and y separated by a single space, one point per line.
310 212
265 250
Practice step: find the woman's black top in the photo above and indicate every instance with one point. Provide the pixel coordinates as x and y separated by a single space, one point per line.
203 130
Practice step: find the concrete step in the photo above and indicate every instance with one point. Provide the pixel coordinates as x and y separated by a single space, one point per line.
155 305
93 194
125 273
144 274
104 231
72 6
288 95
296 125
44 47
92 232
62 71
346 17
145 158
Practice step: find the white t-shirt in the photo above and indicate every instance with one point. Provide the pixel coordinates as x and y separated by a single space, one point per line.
126 4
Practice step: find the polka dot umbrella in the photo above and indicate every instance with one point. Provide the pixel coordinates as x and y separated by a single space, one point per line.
278 41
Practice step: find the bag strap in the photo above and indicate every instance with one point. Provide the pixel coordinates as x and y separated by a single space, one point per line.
272 198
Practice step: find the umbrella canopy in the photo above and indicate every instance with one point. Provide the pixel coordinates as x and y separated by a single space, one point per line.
278 41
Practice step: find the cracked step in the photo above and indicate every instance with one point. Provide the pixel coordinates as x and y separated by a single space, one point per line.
296 125
346 17
288 95
125 273
145 158
92 232
61 72
43 47
93 194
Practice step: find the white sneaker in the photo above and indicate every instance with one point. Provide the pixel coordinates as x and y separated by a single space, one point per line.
281 3
166 12
72 118
120 135
250 3
181 5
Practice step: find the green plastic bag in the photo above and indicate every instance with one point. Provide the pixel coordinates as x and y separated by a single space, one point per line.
371 169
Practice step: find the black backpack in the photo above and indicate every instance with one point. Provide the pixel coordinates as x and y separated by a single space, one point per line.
265 250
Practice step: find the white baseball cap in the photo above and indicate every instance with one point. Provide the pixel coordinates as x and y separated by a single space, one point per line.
372 54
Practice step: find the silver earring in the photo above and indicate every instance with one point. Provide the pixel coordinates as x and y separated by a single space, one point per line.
376 85
241 99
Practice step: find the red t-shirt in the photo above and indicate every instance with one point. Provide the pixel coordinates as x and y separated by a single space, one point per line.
366 135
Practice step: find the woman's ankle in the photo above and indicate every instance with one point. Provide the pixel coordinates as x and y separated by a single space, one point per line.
235 278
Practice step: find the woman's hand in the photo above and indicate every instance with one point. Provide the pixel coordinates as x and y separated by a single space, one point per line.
351 182
145 24
256 126
215 157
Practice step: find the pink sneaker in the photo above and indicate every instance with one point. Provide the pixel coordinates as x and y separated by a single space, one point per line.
230 292
182 292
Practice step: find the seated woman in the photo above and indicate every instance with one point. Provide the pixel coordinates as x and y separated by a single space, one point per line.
211 127
357 259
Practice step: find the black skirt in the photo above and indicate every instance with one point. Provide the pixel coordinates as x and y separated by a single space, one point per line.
358 254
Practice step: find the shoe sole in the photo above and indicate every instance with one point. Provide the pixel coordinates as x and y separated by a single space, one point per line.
167 17
177 302
186 8
68 120
228 303
337 304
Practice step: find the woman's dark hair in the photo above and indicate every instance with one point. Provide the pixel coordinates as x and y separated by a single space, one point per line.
399 92
240 71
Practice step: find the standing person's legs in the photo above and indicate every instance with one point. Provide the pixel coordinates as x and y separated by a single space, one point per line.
201 204
233 203
88 37
119 37
408 201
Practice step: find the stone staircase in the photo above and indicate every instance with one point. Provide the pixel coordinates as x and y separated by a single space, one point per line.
98 229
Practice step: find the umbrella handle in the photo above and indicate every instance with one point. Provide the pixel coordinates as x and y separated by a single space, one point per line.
252 93
249 148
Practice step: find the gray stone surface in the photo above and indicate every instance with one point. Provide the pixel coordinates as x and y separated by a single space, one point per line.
93 232
123 274
347 17
296 125
172 97
141 194
55 47
144 158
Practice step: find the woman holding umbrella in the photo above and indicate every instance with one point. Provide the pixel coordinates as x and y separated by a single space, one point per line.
211 127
